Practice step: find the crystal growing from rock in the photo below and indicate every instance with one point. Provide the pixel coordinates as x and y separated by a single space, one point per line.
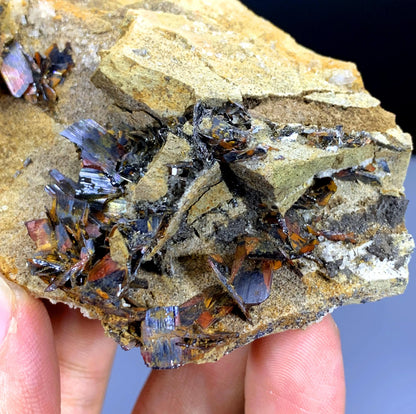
35 78
101 256
232 184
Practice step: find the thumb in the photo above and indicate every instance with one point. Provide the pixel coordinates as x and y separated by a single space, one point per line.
29 372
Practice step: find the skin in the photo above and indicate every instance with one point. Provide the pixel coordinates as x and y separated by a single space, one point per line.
48 364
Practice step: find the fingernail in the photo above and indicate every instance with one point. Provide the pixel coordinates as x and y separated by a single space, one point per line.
6 308
334 324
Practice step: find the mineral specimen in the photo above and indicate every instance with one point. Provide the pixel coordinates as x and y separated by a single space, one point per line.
244 186
127 216
35 78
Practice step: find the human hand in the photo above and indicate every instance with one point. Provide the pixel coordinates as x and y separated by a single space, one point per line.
62 361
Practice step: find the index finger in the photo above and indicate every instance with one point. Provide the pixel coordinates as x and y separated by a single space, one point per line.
297 372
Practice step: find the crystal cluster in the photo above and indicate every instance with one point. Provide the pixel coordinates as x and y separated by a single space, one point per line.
35 78
233 183
105 233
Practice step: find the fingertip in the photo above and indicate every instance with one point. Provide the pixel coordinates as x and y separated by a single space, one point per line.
29 373
7 304
297 370
85 356
216 387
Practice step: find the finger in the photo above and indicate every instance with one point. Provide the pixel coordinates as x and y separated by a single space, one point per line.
296 372
29 373
210 388
85 357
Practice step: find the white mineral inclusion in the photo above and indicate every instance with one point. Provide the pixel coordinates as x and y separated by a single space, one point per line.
331 251
291 138
37 17
342 77
371 268
331 171
332 148
377 269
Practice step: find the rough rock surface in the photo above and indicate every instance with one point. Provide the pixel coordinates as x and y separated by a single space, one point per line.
150 63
